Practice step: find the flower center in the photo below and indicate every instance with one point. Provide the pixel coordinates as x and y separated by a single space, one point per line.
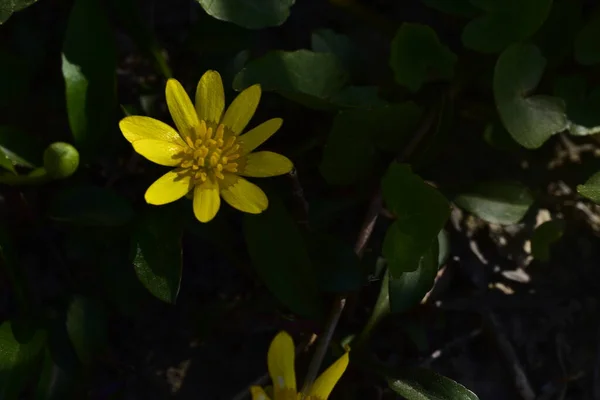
210 152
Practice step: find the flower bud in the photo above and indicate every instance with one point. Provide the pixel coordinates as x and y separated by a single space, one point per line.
61 160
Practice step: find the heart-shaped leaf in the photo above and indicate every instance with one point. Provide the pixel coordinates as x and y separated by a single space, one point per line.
251 14
591 188
504 203
530 120
157 254
587 46
544 236
90 80
421 213
86 327
307 77
424 384
417 56
503 23
278 253
8 7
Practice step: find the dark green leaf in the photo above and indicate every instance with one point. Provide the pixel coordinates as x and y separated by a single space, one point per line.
55 382
418 57
498 137
422 212
15 76
531 120
358 96
556 36
158 254
582 107
462 8
407 290
251 14
86 326
8 7
304 76
335 263
19 149
90 205
502 203
591 188
277 251
503 23
424 384
544 236
20 348
340 45
587 45
88 66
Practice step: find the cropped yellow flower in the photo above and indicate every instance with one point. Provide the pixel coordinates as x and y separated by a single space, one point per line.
280 360
207 149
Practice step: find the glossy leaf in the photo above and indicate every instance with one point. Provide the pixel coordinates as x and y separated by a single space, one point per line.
8 7
462 8
418 56
544 237
591 188
251 14
88 66
502 203
335 263
530 120
157 253
20 348
408 289
90 205
421 213
504 23
281 259
304 76
424 384
587 46
86 327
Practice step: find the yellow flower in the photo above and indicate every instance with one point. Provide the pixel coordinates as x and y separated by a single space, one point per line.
280 360
207 149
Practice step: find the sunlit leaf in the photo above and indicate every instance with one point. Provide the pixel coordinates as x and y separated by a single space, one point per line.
157 253
424 384
421 213
251 14
86 326
502 203
531 120
418 56
88 66
544 236
587 45
278 253
504 23
8 7
90 205
591 188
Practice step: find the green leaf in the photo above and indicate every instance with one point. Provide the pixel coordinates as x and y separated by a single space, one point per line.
86 326
424 384
8 7
328 41
20 348
422 212
88 66
544 236
55 383
304 76
19 149
498 137
90 205
157 252
582 107
556 36
407 290
462 8
251 14
335 263
417 56
504 23
587 46
591 188
530 120
503 203
277 250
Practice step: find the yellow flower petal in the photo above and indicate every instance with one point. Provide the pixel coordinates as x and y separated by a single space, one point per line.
266 163
138 128
258 393
280 360
324 384
243 195
210 98
158 151
206 200
257 136
242 109
168 188
181 108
